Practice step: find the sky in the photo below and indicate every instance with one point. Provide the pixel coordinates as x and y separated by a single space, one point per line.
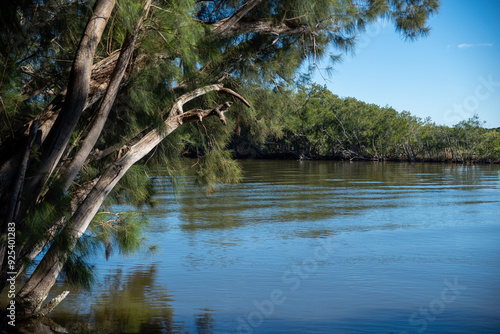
449 76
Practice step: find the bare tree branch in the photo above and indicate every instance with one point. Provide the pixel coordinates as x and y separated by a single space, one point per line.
229 23
263 26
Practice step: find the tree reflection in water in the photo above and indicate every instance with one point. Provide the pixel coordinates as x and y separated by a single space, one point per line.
205 322
133 302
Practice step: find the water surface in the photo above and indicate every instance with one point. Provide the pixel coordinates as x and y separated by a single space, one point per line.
311 247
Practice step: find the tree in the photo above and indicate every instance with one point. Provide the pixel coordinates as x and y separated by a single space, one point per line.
83 104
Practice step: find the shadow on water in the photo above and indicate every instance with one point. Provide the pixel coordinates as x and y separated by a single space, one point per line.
128 303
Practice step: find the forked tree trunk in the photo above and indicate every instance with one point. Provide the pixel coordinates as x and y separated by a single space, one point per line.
19 189
105 107
35 291
78 89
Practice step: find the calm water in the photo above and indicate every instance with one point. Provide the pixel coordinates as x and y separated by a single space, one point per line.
312 247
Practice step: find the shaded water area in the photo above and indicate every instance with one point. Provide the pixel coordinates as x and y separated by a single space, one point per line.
311 247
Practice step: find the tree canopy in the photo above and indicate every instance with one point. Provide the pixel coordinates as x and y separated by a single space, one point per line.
93 92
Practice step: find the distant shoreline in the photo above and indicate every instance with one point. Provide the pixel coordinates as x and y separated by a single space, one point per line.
305 157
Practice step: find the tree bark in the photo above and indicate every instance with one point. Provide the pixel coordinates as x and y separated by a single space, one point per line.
105 107
78 89
75 100
11 207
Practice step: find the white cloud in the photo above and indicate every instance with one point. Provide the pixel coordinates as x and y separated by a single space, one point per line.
463 46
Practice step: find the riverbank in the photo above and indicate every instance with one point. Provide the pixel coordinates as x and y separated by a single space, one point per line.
278 151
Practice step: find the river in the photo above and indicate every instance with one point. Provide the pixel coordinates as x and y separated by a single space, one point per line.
310 247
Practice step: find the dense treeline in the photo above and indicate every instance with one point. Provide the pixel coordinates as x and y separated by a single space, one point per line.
313 123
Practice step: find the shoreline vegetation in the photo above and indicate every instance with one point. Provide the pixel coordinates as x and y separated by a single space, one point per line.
315 124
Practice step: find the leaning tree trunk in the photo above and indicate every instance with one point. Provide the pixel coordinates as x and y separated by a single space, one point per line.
20 195
44 279
29 251
76 98
36 289
102 113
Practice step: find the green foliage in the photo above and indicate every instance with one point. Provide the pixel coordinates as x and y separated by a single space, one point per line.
411 16
128 14
491 146
217 167
122 230
318 124
37 43
267 118
40 218
135 188
78 272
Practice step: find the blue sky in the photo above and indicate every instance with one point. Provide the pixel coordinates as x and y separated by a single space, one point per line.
449 75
